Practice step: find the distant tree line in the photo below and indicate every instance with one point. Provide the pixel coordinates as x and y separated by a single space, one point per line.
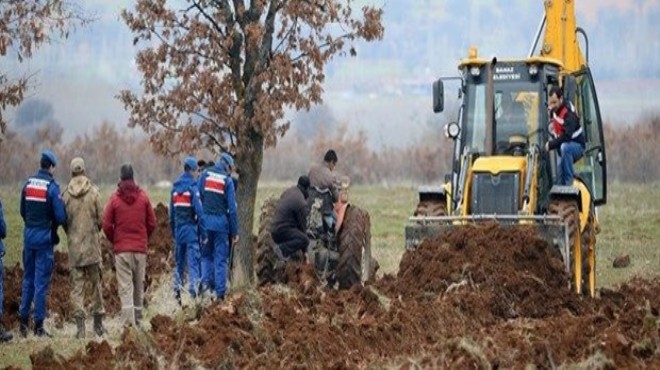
632 155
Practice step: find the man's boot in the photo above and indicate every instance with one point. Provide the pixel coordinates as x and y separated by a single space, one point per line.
24 327
98 325
5 336
138 319
39 329
80 325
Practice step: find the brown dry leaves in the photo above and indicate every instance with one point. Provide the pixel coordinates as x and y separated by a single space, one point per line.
221 73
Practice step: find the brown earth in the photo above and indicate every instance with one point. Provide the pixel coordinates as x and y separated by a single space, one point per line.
481 296
159 261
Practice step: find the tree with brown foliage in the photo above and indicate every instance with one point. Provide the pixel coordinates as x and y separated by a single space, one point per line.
219 74
25 25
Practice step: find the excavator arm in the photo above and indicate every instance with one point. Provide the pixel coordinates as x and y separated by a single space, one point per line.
560 40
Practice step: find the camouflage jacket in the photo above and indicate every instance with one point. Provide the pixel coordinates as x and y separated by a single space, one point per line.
84 212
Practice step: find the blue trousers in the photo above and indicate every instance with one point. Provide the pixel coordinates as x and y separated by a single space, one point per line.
187 254
2 286
571 152
37 270
215 255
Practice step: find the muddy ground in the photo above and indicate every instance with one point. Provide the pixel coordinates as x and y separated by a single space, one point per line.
60 309
479 297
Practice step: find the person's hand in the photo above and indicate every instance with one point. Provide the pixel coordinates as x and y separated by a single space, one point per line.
234 240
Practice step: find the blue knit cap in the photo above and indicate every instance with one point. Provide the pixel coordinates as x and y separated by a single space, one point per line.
227 159
190 162
49 156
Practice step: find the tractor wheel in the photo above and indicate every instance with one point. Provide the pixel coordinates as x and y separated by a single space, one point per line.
569 212
430 208
355 262
266 258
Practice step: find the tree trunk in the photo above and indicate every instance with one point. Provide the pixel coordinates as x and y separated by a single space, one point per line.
248 161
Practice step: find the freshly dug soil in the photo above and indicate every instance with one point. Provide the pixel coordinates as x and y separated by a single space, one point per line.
479 297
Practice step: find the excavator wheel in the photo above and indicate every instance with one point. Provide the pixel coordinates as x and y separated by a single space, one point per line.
430 208
266 258
569 212
355 264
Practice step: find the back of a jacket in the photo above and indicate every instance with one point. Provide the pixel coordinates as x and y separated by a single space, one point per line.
186 222
129 220
84 211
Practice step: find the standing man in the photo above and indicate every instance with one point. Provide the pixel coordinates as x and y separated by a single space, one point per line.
5 336
321 176
290 221
570 140
187 228
43 212
219 203
128 222
84 220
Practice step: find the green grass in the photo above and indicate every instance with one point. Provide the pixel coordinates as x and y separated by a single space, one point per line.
630 224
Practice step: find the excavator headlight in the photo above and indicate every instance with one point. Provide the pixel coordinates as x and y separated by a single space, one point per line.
475 71
533 70
452 129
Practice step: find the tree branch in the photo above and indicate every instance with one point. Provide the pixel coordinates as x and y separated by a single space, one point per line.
321 46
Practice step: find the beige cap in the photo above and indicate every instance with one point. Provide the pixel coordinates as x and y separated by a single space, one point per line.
77 166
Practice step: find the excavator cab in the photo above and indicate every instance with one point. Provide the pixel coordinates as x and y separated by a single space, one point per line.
500 169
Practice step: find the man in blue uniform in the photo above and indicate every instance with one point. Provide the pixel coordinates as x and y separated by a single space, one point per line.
4 335
219 203
187 228
43 212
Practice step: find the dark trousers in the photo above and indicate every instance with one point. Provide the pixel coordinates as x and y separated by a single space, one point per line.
290 240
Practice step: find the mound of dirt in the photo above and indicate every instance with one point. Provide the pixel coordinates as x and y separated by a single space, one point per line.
481 297
491 269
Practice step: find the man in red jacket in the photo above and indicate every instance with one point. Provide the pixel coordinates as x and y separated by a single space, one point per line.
128 222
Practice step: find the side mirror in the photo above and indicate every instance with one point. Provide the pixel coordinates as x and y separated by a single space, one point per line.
438 96
452 130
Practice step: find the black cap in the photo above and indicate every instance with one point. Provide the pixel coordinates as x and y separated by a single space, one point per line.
126 172
303 182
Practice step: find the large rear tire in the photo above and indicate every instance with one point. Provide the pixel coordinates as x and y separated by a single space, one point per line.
355 262
266 258
569 212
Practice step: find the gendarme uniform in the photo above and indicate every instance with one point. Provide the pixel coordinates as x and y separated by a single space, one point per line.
43 212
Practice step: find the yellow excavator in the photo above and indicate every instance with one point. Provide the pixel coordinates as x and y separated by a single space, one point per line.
500 170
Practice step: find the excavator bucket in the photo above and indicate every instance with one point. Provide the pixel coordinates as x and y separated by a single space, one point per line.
551 228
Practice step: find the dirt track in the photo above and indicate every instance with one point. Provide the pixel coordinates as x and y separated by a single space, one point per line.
480 297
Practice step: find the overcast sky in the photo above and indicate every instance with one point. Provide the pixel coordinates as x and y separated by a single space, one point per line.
80 76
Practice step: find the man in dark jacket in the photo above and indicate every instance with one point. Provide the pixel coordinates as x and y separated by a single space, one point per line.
43 212
570 141
290 221
128 221
187 228
4 335
221 222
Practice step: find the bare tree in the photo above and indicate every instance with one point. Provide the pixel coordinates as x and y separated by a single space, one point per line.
219 74
25 25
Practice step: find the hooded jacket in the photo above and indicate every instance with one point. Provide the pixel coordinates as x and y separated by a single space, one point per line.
129 219
291 211
84 212
186 212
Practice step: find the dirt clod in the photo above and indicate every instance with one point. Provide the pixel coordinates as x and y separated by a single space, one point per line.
621 261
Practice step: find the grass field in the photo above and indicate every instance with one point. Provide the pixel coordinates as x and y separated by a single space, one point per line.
630 224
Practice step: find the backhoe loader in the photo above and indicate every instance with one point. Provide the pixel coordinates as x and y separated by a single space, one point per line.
500 170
